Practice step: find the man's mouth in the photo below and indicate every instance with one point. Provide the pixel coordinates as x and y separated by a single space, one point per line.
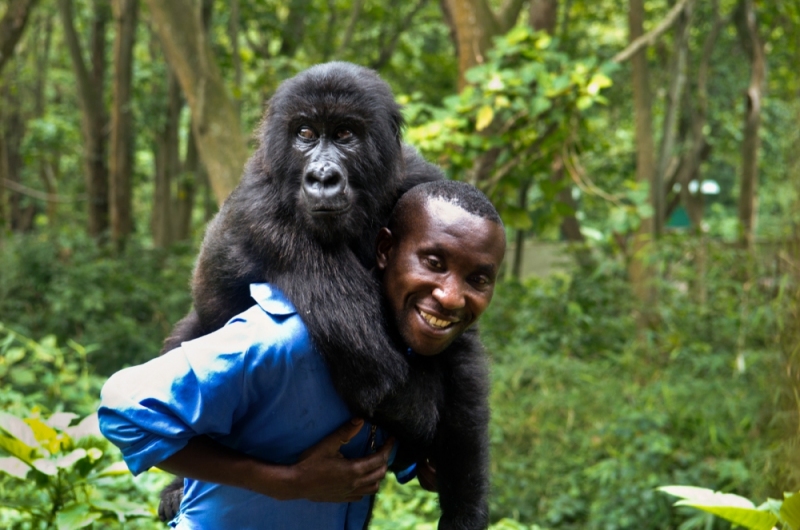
436 322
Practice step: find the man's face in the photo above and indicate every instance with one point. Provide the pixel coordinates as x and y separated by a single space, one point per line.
440 276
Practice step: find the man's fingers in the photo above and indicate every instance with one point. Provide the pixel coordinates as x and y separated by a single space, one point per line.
347 431
373 477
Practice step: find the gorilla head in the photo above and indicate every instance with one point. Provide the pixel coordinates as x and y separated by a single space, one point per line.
331 142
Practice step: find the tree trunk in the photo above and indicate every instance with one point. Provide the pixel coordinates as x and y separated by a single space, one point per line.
544 17
12 26
519 246
167 166
185 192
122 141
47 162
90 98
752 122
670 128
640 273
20 214
216 124
474 24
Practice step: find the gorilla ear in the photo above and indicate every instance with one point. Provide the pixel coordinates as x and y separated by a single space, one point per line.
383 246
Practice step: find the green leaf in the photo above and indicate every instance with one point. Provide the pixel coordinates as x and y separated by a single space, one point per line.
89 426
734 508
121 507
61 420
45 434
74 516
747 517
68 460
17 449
18 429
115 469
14 467
45 466
707 497
790 511
599 81
485 117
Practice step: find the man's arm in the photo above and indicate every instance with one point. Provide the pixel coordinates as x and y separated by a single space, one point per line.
322 474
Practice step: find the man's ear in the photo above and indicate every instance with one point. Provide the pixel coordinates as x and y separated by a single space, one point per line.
383 245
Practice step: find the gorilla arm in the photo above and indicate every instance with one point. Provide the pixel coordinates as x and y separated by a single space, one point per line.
345 321
461 450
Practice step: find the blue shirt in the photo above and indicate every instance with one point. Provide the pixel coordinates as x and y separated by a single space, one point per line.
257 385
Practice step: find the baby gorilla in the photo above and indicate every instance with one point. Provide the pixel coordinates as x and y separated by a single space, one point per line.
329 168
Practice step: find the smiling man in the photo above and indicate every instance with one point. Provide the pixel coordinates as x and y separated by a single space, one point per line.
439 258
249 413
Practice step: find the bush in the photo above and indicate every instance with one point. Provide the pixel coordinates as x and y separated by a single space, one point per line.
121 306
590 416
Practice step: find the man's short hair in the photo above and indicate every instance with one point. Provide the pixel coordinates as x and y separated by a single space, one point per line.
465 196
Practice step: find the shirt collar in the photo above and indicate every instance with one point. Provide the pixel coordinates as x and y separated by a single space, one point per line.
271 300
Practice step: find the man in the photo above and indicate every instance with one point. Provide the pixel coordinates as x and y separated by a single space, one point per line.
247 411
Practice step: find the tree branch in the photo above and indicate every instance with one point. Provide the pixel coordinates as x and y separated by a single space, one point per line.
355 13
651 36
36 194
388 49
509 12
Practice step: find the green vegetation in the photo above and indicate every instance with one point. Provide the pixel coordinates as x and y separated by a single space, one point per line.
665 352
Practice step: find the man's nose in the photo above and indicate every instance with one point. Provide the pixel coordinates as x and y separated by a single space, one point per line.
450 294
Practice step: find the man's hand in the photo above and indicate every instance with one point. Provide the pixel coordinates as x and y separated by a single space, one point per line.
323 474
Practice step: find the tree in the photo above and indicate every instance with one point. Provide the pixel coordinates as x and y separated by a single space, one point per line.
641 275
473 24
748 34
215 119
121 152
12 26
93 113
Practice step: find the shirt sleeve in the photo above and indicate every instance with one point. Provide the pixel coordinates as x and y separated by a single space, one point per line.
151 411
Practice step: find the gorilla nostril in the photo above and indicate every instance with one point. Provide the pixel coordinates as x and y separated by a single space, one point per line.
324 180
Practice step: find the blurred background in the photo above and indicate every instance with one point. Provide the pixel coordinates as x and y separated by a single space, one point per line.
645 156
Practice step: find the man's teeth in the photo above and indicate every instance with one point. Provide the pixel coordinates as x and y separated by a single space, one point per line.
433 321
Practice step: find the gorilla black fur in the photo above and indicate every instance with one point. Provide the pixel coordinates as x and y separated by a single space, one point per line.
330 166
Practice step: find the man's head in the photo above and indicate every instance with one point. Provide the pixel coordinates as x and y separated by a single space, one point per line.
439 257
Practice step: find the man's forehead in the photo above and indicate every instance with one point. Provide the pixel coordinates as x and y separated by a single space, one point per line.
443 209
445 219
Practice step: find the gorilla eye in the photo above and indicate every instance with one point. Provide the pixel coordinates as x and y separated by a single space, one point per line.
344 134
306 133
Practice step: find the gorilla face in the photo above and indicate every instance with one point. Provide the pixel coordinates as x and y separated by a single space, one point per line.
332 137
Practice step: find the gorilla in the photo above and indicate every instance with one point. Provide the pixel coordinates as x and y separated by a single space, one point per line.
330 166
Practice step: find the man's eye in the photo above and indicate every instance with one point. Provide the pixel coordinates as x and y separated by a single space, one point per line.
344 134
434 263
480 281
306 133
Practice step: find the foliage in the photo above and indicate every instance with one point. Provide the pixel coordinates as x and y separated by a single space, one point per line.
740 510
588 420
122 307
62 478
56 472
521 106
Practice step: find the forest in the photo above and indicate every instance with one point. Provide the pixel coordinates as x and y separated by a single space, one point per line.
644 156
